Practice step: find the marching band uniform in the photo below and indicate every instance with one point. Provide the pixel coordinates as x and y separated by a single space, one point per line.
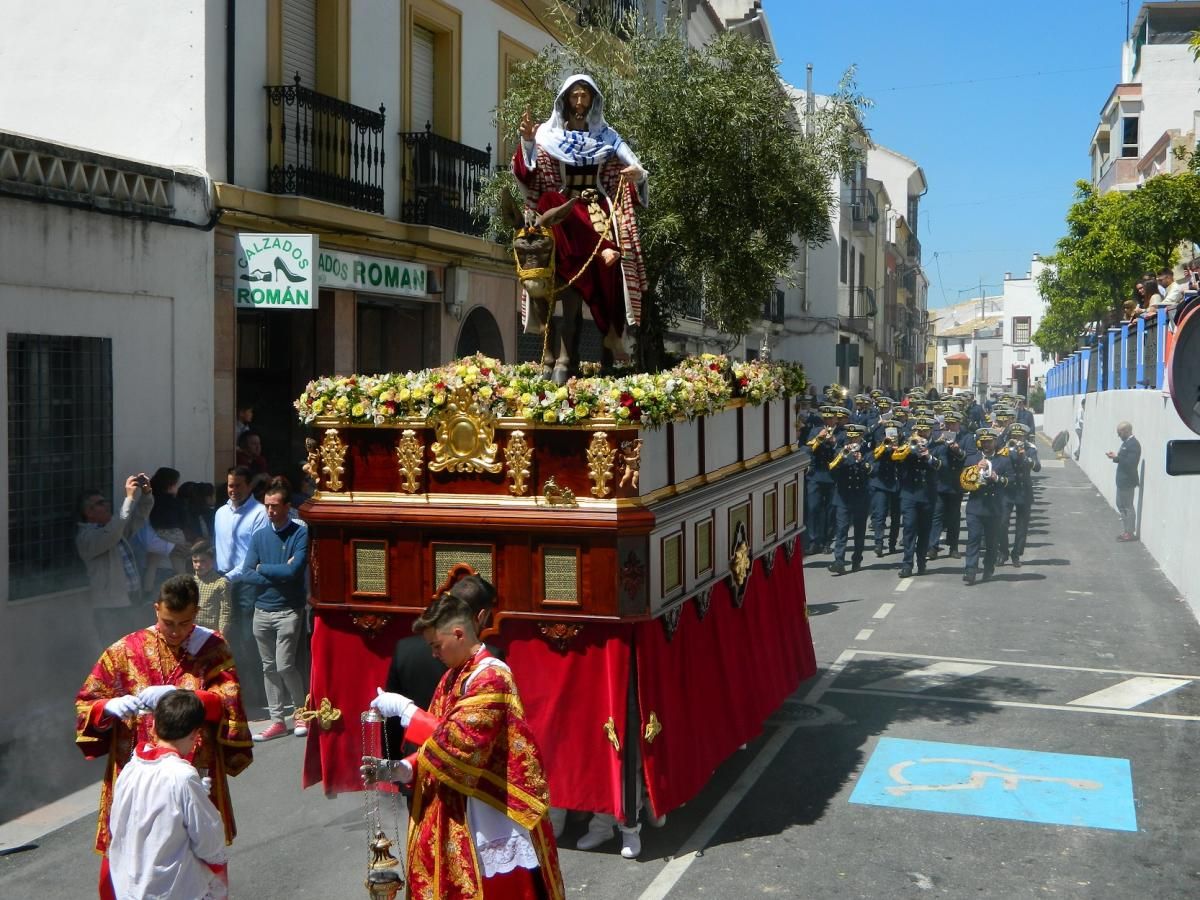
1018 495
818 491
947 512
984 504
883 486
918 485
850 467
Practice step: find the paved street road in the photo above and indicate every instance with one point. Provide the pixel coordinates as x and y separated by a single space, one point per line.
1085 653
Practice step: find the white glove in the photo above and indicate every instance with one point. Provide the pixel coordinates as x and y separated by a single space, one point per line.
122 707
375 769
148 697
207 782
394 705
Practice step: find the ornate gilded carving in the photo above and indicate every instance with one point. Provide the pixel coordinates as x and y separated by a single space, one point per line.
703 602
465 437
768 562
333 458
324 715
369 622
631 456
559 633
633 576
312 465
410 454
670 621
653 728
558 496
740 564
600 458
610 732
517 454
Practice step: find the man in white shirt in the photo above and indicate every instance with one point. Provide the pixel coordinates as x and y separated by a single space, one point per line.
1170 291
233 526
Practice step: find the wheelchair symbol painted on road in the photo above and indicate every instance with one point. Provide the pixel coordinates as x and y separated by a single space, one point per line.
999 783
1010 779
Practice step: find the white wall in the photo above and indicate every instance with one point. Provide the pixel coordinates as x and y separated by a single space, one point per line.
1022 298
1167 504
125 77
1170 81
150 289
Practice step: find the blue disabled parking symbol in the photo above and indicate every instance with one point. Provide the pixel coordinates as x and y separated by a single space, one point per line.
999 783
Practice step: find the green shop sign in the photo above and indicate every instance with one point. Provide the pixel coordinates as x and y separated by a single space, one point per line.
372 274
275 271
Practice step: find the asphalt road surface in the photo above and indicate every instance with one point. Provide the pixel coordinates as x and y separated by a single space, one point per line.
1029 737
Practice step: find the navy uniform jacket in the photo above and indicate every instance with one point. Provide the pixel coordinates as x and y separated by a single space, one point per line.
989 499
883 475
1025 417
1020 486
951 464
822 455
918 476
850 477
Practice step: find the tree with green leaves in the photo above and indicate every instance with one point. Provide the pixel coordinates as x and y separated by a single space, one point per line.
733 176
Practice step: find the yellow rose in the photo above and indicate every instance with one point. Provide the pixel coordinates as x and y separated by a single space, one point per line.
357 409
460 371
439 399
615 394
560 394
582 411
549 416
341 404
623 412
469 378
527 399
404 394
638 393
485 392
318 405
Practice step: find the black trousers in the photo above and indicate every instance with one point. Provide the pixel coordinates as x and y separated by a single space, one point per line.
847 515
818 514
947 517
1019 525
917 516
885 504
983 534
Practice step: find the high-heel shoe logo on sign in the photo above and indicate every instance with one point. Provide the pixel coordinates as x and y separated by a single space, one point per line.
276 270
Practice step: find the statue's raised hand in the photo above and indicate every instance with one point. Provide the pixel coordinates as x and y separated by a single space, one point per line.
528 127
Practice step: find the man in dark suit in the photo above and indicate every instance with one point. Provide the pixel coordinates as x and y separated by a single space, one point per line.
1127 459
917 475
984 503
851 467
947 513
1018 496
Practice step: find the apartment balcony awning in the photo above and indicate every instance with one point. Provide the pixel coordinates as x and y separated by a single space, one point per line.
958 358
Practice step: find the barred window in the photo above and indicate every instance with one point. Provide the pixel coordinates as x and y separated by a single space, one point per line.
60 442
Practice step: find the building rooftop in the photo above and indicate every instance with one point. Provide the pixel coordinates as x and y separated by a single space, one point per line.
966 329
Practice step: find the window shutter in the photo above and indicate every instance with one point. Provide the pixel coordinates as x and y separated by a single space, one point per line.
422 78
300 42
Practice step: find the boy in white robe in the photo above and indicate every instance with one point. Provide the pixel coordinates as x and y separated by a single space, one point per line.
168 839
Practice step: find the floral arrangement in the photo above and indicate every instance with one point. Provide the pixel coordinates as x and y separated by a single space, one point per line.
697 386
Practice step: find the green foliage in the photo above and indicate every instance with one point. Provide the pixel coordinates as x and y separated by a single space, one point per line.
1111 241
733 176
1037 399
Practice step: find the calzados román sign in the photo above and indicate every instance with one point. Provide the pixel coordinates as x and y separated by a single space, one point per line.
276 271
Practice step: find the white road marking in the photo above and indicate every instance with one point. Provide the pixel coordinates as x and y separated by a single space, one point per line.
865 634
1007 662
834 670
707 830
884 609
39 822
1018 704
904 585
1081 593
932 676
1131 693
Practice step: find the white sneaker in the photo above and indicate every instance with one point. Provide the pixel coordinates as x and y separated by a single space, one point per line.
597 833
631 842
558 821
301 730
655 821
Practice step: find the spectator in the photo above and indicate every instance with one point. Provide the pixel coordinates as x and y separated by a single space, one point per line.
1171 290
276 565
216 600
167 836
103 543
245 421
249 453
1127 459
233 526
166 518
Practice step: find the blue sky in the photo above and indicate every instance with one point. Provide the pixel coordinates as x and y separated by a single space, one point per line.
1001 153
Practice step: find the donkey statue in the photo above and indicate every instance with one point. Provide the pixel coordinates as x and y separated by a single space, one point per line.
533 247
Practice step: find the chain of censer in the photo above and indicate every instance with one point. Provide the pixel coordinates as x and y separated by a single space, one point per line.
371 798
548 272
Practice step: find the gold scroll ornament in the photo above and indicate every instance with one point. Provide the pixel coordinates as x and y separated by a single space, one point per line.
465 437
333 458
610 731
600 458
653 728
518 455
409 455
558 496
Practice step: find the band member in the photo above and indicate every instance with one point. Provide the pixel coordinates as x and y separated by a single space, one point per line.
864 412
918 487
1018 496
884 489
947 512
985 475
822 441
851 468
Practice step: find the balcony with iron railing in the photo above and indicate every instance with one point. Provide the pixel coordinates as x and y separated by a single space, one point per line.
864 211
912 249
440 181
773 308
616 16
325 148
862 301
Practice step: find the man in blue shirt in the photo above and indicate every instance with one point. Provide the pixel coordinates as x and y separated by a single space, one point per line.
276 564
233 525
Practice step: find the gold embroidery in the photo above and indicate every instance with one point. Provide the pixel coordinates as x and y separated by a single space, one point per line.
600 458
409 454
610 731
653 728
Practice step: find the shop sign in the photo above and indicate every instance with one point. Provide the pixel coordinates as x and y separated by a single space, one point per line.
372 274
276 271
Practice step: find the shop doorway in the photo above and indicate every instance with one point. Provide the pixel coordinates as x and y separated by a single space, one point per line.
480 334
